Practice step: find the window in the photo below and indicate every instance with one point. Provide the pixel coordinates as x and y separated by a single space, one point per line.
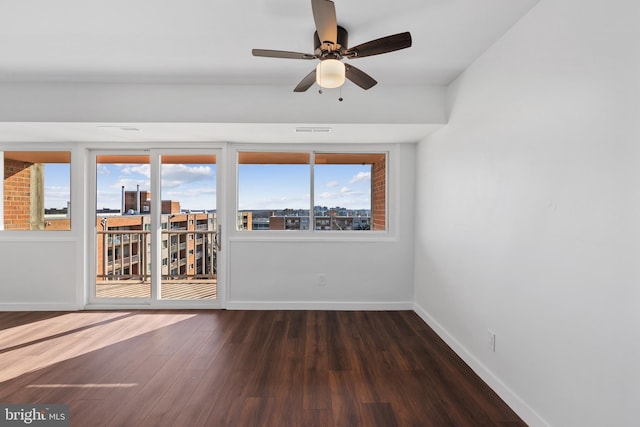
36 190
275 191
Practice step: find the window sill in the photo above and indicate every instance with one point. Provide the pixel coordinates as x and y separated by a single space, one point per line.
311 236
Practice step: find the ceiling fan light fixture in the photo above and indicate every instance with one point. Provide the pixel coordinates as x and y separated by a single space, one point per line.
330 73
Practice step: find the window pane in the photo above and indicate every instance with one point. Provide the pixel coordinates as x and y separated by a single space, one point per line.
37 190
189 256
273 191
123 208
350 191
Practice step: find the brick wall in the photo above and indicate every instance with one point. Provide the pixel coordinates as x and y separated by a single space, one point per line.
379 195
63 224
17 195
170 207
131 204
276 223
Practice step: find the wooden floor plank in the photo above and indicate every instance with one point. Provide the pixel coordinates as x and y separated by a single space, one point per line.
242 368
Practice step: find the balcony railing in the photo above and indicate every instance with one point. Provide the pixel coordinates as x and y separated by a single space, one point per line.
125 255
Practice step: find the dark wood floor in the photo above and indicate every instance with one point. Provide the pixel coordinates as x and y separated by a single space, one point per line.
242 368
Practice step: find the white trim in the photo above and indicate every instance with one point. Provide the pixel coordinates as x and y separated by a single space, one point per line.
37 236
42 235
78 188
222 208
90 208
392 227
320 305
44 306
167 305
514 401
347 236
156 224
155 163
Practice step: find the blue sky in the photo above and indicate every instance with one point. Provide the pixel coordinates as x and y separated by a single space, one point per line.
194 185
57 191
287 186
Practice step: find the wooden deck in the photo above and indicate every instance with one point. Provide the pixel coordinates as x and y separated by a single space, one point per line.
171 289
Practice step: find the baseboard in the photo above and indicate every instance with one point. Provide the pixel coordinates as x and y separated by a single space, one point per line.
318 305
38 307
512 399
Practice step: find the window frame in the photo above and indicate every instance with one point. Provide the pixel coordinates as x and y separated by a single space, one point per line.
391 194
75 227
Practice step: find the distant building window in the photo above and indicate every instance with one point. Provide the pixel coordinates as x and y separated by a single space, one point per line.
36 190
275 191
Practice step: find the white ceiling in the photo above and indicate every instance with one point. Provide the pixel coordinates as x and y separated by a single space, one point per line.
210 42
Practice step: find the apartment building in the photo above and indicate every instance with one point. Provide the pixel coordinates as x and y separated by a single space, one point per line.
124 242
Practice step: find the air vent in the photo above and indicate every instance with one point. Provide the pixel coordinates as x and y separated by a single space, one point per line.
309 129
126 128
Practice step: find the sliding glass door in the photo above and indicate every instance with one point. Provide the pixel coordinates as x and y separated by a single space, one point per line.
156 228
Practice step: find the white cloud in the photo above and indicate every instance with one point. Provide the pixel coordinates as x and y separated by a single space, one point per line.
345 197
144 170
102 170
176 175
193 198
332 184
361 176
56 197
191 192
131 184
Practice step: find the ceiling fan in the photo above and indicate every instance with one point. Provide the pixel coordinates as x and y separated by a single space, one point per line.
330 47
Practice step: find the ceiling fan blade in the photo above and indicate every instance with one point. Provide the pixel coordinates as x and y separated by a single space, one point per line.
382 45
282 54
359 77
307 82
324 15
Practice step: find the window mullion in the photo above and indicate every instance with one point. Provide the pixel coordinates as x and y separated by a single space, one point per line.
312 214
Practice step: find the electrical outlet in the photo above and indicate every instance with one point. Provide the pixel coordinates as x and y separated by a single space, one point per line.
322 279
491 339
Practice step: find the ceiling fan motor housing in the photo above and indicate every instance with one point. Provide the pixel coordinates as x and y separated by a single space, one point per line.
324 50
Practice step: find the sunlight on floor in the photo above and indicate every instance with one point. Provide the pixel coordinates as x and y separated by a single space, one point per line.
27 348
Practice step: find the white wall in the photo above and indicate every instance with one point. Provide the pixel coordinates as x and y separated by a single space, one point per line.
47 270
528 215
361 274
44 270
193 103
38 275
